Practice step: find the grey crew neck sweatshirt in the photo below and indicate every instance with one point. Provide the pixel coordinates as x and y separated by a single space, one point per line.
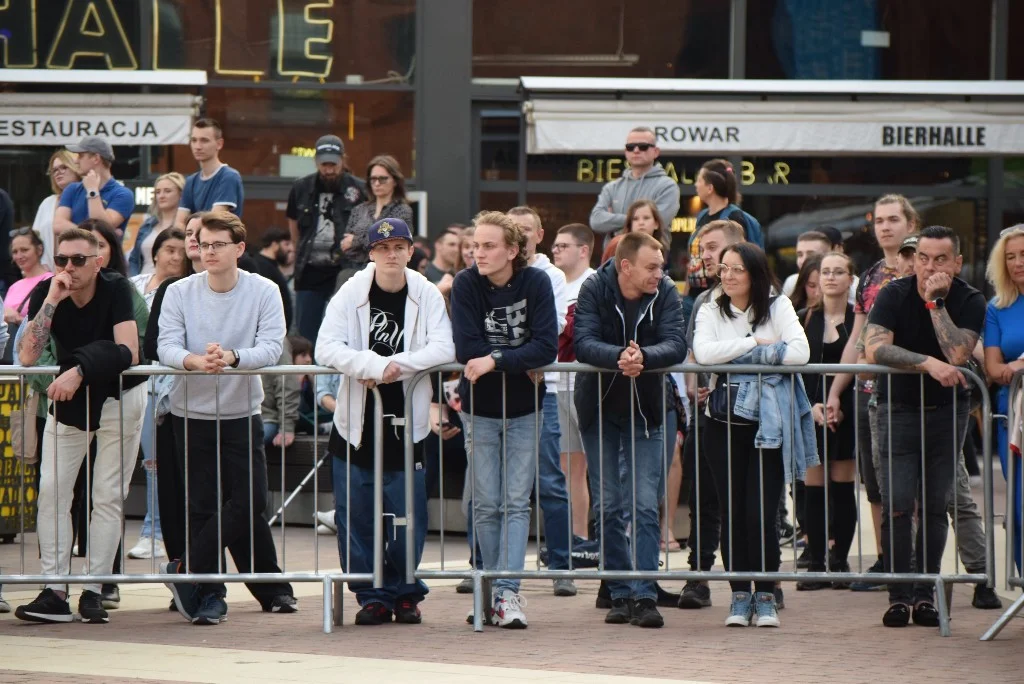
248 319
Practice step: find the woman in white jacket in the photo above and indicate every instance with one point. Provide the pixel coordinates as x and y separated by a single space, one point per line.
386 324
749 480
63 171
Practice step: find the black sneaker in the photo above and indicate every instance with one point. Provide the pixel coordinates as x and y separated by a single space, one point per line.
111 596
184 593
780 600
645 614
696 594
985 598
620 613
172 608
813 585
877 568
926 614
212 610
898 615
90 608
48 607
407 612
840 566
803 561
604 597
373 613
285 603
666 599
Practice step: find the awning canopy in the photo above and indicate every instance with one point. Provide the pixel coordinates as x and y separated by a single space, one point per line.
717 117
54 119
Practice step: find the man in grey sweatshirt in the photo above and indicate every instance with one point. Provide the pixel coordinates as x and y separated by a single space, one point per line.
644 179
218 319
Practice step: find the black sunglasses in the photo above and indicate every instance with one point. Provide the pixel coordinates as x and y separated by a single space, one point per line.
77 260
643 147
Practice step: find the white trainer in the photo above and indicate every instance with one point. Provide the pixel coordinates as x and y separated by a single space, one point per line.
147 547
508 610
326 518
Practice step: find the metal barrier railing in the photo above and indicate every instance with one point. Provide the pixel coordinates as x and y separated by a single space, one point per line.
331 579
938 579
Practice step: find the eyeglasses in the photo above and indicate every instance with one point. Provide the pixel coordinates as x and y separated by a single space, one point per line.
643 147
77 260
828 273
559 246
59 169
724 269
213 246
379 180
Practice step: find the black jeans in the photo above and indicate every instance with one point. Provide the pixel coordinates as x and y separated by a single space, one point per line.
748 520
933 455
705 517
237 513
170 487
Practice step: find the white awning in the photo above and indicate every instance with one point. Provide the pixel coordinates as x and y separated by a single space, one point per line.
55 119
124 77
717 127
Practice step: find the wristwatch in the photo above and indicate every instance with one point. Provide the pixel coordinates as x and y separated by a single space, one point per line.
92 194
937 303
78 368
497 356
234 364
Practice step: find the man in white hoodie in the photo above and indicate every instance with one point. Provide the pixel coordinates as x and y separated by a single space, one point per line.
553 496
386 324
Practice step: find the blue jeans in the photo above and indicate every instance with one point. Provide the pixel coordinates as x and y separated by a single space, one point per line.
309 311
501 495
151 523
614 497
553 496
361 496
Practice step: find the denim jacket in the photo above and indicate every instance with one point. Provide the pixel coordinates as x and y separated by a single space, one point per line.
770 407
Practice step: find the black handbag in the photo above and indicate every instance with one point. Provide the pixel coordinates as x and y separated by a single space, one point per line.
722 404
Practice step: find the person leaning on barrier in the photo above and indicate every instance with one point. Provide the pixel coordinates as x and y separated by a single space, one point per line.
89 313
503 319
927 322
218 319
705 516
1004 348
766 435
385 325
630 293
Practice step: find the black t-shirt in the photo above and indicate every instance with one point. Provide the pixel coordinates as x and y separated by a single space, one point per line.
899 308
387 338
74 327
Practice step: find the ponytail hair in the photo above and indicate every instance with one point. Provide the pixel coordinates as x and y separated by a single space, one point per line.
719 174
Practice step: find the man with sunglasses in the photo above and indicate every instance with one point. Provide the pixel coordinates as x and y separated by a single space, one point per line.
221 318
90 316
644 179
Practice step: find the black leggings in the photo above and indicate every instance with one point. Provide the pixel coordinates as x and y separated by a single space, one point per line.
748 518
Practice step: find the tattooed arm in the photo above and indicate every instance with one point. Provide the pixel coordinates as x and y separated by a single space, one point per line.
878 343
37 334
956 343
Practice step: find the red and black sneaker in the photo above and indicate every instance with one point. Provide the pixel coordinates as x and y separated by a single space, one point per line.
373 613
407 612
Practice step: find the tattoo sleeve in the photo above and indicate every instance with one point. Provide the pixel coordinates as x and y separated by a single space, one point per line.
956 343
37 333
878 341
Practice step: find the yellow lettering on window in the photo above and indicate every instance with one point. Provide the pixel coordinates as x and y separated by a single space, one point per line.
585 171
92 39
304 36
747 172
218 40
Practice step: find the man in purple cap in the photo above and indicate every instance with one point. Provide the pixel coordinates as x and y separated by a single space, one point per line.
386 324
98 195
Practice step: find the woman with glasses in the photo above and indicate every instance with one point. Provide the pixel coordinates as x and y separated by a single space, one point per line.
162 214
1004 348
63 171
827 324
387 185
746 324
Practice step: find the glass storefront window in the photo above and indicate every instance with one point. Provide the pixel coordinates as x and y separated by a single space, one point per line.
868 39
1015 51
635 39
499 147
272 132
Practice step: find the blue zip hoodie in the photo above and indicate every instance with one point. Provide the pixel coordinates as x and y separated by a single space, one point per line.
518 319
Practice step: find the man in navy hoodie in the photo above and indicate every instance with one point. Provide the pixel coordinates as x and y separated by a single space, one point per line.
503 319
628 319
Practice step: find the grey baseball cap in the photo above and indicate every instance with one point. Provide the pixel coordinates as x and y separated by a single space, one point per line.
329 148
95 146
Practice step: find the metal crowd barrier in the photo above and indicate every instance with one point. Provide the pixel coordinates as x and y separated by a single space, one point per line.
331 579
941 581
1014 536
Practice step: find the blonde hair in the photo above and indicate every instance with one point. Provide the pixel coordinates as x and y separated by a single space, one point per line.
176 179
513 234
997 273
70 160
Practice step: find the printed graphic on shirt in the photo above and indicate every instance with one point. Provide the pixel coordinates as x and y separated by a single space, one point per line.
353 195
386 332
323 243
506 326
871 283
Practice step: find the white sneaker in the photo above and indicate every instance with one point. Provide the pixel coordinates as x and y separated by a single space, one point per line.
508 610
326 518
5 607
148 548
324 529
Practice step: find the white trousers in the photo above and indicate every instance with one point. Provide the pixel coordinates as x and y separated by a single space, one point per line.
64 449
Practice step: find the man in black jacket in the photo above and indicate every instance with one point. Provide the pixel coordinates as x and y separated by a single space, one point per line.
629 293
318 209
277 250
